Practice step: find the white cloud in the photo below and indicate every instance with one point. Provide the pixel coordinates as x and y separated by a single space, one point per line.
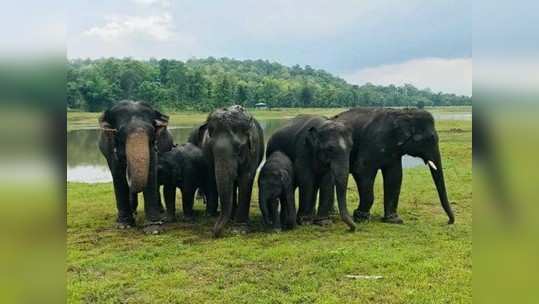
438 74
163 3
156 27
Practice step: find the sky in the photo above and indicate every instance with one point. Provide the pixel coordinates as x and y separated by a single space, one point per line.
425 43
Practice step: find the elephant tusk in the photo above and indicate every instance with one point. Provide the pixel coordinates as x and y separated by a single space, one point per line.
432 165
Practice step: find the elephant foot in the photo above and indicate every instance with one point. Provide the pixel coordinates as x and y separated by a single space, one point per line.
324 221
153 228
333 211
124 226
212 213
189 218
170 218
305 219
240 228
392 219
360 216
125 223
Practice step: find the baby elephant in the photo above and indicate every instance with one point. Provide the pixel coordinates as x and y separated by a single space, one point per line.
276 182
186 168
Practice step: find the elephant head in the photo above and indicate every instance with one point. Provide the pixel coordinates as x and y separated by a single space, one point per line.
169 169
331 144
133 128
416 135
228 138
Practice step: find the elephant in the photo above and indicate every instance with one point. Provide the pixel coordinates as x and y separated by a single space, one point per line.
381 137
233 143
276 184
132 134
319 149
184 167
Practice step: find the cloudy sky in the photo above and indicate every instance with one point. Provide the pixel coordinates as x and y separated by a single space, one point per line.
425 43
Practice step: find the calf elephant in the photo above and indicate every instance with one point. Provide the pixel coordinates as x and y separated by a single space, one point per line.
132 134
184 167
319 148
276 185
381 137
233 143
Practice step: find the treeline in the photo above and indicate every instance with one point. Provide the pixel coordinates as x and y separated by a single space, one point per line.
203 84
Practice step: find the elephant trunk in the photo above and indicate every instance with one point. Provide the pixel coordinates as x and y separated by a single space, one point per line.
137 148
225 174
341 185
437 172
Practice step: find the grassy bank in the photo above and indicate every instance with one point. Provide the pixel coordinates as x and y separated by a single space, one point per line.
422 261
80 120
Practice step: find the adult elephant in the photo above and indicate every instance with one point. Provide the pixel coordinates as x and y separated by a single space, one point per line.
233 143
381 138
319 149
132 135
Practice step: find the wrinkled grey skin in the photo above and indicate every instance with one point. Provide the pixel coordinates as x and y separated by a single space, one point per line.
184 167
381 138
233 144
132 134
319 148
276 185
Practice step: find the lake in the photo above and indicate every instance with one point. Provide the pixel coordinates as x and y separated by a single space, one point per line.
86 164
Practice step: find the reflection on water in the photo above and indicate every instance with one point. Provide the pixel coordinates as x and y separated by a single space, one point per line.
89 174
86 164
453 116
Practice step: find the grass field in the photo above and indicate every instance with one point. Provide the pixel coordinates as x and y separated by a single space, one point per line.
422 261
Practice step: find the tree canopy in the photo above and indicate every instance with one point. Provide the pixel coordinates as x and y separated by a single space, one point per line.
203 84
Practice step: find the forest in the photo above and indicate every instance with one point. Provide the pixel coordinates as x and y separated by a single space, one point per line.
203 84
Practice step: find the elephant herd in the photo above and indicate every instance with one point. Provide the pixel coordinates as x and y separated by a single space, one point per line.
220 160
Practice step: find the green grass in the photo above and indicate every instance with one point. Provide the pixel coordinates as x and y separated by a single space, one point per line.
80 120
422 261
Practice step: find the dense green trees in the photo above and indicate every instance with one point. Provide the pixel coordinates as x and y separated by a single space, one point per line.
203 84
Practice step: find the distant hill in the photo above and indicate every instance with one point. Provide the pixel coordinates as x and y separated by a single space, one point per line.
203 84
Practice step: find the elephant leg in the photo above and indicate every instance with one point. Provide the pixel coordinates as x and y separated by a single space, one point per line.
152 211
245 188
392 187
365 184
234 200
264 208
212 198
188 195
307 198
133 201
169 192
274 210
327 197
288 210
121 192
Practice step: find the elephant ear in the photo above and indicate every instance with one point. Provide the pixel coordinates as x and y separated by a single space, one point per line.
160 122
250 142
403 128
285 177
250 135
105 122
313 138
203 134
